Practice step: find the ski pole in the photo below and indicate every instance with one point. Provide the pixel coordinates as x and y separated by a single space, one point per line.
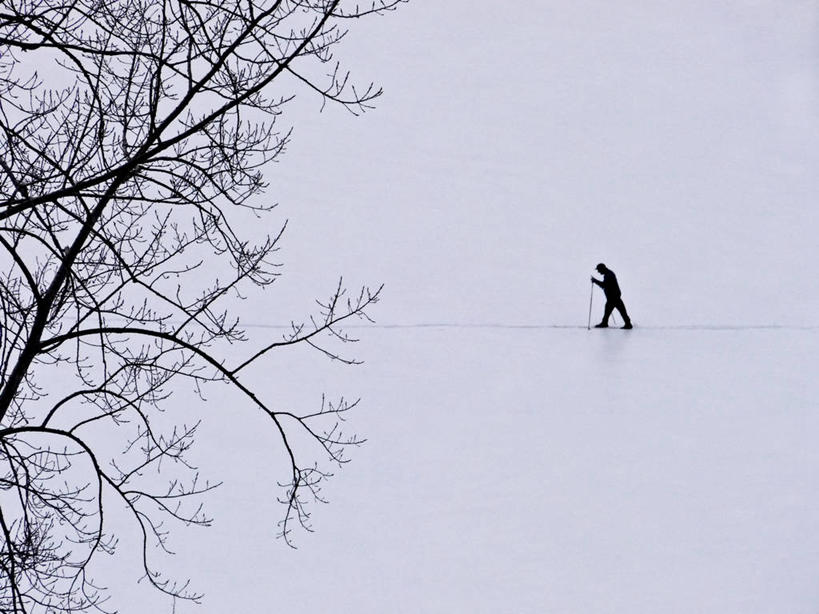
591 296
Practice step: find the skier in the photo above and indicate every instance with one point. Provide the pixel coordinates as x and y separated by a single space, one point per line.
613 300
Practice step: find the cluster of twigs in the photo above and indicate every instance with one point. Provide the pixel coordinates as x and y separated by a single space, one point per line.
133 134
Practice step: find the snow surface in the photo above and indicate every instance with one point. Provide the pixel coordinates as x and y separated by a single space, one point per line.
538 470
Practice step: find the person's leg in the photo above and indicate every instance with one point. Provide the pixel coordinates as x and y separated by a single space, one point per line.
606 313
621 307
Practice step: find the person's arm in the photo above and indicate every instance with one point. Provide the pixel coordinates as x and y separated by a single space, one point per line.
597 281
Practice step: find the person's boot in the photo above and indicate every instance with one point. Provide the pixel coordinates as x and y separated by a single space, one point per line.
601 325
627 325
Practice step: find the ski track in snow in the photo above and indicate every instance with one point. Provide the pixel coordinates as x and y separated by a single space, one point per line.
513 326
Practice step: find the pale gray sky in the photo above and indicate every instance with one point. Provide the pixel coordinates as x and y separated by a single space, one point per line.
516 148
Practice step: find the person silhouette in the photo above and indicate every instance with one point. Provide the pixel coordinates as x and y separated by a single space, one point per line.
613 299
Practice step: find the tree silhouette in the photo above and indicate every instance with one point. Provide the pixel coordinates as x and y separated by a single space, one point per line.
133 135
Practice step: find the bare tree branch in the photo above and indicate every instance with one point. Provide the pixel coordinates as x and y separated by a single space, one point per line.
124 179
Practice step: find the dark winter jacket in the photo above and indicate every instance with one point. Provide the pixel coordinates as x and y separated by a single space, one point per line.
610 286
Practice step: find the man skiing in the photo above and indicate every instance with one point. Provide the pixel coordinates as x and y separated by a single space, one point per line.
613 301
